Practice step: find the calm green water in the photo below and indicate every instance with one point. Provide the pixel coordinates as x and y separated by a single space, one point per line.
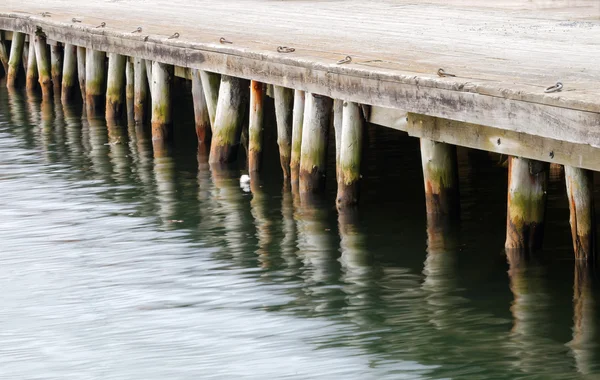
115 265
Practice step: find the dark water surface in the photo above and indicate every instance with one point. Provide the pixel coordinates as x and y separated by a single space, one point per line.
115 265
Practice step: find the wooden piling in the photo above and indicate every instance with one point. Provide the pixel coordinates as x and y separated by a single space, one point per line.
228 121
162 80
257 96
69 72
201 115
56 66
16 55
81 54
43 64
25 59
95 81
140 93
315 132
527 183
284 103
115 86
440 174
210 84
351 143
4 58
129 90
31 76
580 191
297 122
338 110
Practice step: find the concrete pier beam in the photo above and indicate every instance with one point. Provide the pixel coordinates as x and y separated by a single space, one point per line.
315 133
162 80
440 175
95 81
140 93
527 183
255 146
115 86
580 190
211 83
31 76
129 90
297 122
284 106
81 54
16 55
69 79
56 66
348 165
228 121
43 64
201 115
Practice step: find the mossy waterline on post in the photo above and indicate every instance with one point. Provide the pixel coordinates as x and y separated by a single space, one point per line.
3 52
95 81
140 93
348 165
56 66
81 54
201 115
43 63
31 76
162 80
297 122
228 121
69 71
527 183
16 55
440 175
129 90
211 83
315 133
115 86
580 190
284 107
255 129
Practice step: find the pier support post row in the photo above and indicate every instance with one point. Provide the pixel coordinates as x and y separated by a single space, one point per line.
56 66
350 155
255 130
201 115
31 76
69 71
162 80
140 93
527 183
440 175
115 86
581 205
211 83
284 103
81 72
228 121
16 55
95 81
43 64
297 122
315 133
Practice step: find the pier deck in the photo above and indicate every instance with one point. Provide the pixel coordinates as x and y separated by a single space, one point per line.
503 56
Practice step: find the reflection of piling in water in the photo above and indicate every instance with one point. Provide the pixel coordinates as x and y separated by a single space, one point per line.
164 174
288 242
584 345
16 106
73 131
118 151
259 206
98 138
140 146
33 107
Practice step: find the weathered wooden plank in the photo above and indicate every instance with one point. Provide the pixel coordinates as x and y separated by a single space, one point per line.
357 83
506 142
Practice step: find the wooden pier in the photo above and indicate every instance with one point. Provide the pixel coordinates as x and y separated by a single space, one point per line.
519 78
